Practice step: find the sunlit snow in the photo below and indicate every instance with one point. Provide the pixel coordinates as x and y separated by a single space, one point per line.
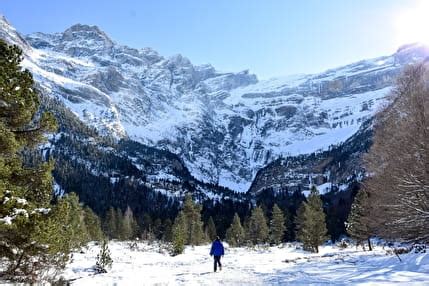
151 265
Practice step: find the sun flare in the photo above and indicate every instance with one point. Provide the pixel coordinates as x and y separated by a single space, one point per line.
412 24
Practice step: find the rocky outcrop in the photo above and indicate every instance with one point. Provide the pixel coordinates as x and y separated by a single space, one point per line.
336 169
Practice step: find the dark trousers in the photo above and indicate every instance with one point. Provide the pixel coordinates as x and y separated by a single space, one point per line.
216 262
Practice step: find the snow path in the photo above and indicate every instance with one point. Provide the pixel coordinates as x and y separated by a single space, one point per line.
241 266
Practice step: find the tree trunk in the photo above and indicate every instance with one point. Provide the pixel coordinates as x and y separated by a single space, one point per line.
18 263
369 244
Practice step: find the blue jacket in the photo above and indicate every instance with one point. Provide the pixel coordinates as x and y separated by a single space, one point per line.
217 248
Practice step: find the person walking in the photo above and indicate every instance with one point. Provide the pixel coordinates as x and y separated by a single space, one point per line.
217 251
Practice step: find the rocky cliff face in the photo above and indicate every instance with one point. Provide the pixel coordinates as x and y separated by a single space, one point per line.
224 126
332 170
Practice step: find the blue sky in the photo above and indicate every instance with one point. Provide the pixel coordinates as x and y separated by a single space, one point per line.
271 38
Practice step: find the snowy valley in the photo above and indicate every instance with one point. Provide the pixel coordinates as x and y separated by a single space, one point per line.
287 264
121 165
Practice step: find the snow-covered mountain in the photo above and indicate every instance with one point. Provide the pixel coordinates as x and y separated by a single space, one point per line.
339 168
224 126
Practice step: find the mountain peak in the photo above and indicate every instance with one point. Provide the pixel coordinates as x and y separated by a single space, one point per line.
10 35
81 40
79 31
85 28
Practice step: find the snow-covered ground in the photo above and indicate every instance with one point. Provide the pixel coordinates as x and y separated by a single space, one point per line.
242 266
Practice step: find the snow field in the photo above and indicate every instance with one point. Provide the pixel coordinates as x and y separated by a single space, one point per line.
288 265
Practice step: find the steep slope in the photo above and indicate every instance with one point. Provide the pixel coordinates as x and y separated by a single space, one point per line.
332 170
336 172
224 126
105 172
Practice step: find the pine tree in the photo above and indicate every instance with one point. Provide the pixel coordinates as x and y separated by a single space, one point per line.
111 224
192 212
211 229
235 234
157 228
65 226
301 231
70 217
311 222
277 225
119 219
257 230
168 230
25 191
92 224
180 231
147 226
358 223
104 260
128 227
